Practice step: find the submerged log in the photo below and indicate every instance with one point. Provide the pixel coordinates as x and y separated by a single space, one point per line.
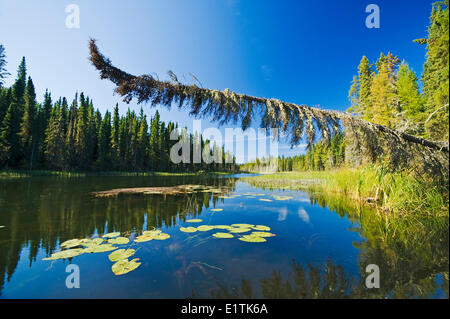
164 190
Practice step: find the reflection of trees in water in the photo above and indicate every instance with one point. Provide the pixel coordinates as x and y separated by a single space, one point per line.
328 281
409 255
40 212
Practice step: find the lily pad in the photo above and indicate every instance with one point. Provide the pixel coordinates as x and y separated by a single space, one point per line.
142 239
243 225
239 230
194 221
216 209
204 228
261 228
71 243
69 253
121 254
188 229
119 241
111 235
223 235
252 239
100 248
222 227
265 200
161 236
151 233
262 234
124 266
277 197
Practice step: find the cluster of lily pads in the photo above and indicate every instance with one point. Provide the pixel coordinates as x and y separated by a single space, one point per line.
75 247
258 235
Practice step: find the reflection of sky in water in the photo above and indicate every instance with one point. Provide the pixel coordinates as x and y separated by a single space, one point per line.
173 268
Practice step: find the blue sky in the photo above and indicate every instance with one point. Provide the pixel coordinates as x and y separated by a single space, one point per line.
303 52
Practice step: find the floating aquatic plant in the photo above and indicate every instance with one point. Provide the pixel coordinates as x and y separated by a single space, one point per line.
204 228
223 235
239 230
265 200
100 248
71 243
262 234
243 225
261 228
69 253
121 254
277 197
188 229
194 221
142 238
119 240
111 235
252 239
124 266
216 209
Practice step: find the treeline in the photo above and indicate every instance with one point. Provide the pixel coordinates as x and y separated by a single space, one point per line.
320 156
58 136
387 91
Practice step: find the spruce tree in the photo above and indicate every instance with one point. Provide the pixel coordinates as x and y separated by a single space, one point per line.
28 132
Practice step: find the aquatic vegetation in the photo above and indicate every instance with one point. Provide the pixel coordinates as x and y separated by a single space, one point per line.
265 200
204 228
227 227
243 225
69 253
165 190
281 198
111 235
161 236
252 238
71 243
121 254
216 209
239 230
119 241
142 239
188 229
261 227
100 248
194 220
262 234
124 266
223 235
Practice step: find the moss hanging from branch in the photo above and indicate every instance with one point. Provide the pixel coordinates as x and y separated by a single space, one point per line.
294 120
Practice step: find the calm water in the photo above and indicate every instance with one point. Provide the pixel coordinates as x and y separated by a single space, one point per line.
320 249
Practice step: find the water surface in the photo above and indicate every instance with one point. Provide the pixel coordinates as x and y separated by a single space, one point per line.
320 249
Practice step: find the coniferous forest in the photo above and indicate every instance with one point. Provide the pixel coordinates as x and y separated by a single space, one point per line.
74 135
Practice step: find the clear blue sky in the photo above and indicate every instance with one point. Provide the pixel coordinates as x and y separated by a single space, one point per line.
298 51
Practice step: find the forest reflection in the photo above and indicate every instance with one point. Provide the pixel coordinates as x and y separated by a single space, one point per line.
39 213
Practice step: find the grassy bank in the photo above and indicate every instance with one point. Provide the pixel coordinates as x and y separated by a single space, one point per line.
25 174
391 192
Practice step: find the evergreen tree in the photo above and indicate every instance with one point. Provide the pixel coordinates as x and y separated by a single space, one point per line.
104 142
28 133
3 72
436 73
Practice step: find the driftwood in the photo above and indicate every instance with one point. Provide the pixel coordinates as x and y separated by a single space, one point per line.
372 141
167 190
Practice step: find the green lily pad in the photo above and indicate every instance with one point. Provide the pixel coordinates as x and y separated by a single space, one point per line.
124 266
223 235
151 233
242 225
121 254
188 229
222 227
111 235
265 200
204 228
277 197
119 241
225 197
262 234
252 239
261 228
239 230
142 239
71 243
216 209
161 236
100 248
194 221
69 253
